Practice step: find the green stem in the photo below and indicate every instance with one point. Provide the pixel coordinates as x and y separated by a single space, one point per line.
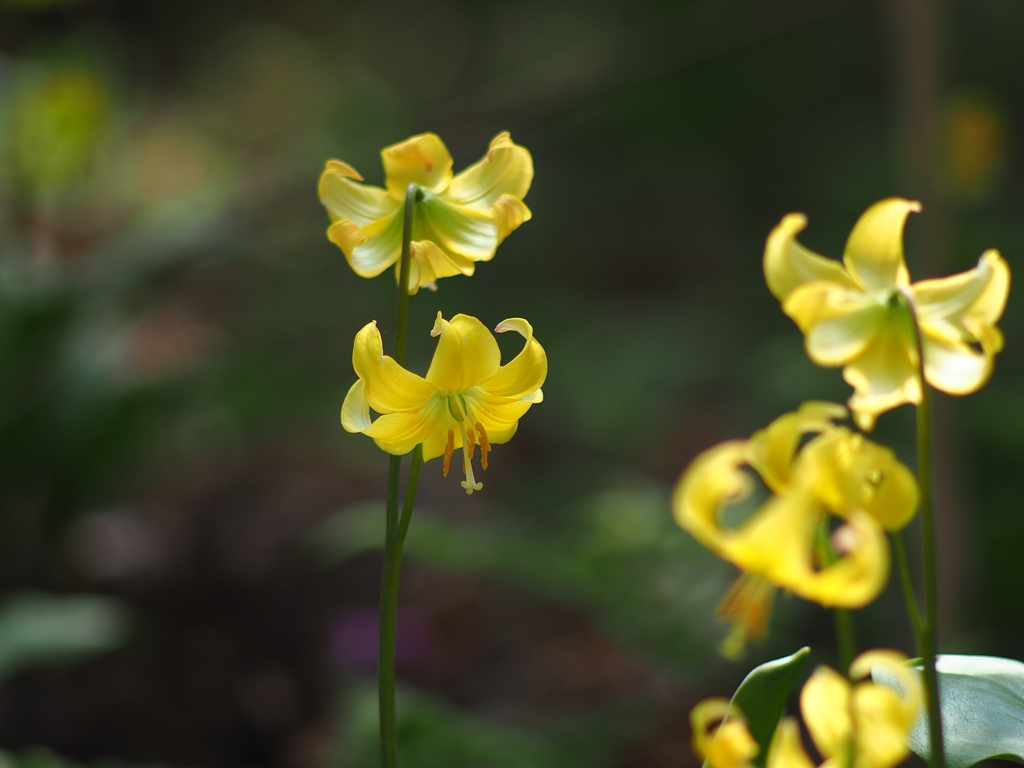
928 638
899 546
846 638
395 529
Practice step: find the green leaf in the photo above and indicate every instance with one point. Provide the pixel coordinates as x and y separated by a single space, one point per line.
763 694
982 710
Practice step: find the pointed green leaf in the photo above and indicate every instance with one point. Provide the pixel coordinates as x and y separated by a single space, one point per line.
763 694
982 710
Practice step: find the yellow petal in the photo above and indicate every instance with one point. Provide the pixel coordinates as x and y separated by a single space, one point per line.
771 450
507 169
846 325
467 354
422 160
884 376
853 581
849 472
355 411
825 705
371 249
884 715
347 199
979 293
509 212
526 372
874 250
788 265
954 367
787 750
399 433
457 229
727 744
713 479
428 263
388 386
500 416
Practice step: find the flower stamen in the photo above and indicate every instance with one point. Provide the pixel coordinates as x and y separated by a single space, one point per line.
470 483
449 449
472 441
485 445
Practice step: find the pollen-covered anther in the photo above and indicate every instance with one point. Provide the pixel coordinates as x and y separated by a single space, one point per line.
472 441
485 445
449 449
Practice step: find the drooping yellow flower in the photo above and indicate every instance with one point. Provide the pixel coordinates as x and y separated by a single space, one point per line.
860 314
872 720
466 399
458 220
838 472
720 735
869 721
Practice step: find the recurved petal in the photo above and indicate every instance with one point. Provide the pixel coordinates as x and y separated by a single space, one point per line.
771 450
825 705
509 212
428 263
874 250
854 580
466 356
786 750
499 416
712 480
388 387
720 736
458 229
953 366
355 411
884 375
506 169
526 372
399 433
347 199
979 293
373 248
788 265
422 160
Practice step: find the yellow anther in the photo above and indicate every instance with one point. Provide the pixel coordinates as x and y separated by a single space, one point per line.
485 445
449 449
472 441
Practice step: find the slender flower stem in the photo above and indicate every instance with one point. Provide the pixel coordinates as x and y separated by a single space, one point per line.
928 636
899 545
395 529
846 638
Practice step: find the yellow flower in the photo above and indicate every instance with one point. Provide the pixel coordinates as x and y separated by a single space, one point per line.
837 472
870 719
466 399
458 221
860 314
720 735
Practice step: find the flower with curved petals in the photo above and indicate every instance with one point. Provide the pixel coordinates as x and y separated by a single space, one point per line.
466 399
859 315
837 473
862 718
458 221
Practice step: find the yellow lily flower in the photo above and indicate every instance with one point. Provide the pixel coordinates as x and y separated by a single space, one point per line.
871 720
860 314
466 399
838 473
720 735
458 220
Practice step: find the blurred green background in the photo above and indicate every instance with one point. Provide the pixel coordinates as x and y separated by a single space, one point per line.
189 558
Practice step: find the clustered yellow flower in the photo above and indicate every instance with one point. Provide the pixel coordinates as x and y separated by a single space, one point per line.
861 314
786 542
459 220
860 724
466 399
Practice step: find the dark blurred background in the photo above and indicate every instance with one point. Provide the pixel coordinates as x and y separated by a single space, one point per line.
189 542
